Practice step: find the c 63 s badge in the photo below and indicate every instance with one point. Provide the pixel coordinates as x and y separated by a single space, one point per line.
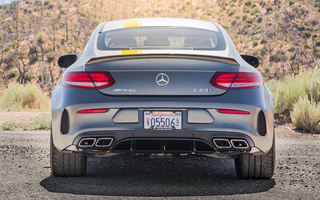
202 90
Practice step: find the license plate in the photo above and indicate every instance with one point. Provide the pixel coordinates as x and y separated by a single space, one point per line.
159 120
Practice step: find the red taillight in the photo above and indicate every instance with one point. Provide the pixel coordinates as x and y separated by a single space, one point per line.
224 111
241 80
93 111
89 79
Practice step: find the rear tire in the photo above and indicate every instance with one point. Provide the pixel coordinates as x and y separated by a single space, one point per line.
67 164
256 167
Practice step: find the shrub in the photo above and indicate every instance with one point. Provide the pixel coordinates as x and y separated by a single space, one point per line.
8 126
244 17
231 11
300 27
254 43
291 2
248 20
11 74
245 9
18 97
306 114
259 19
40 38
307 34
247 3
233 22
291 49
46 2
268 8
314 36
263 51
42 123
317 43
254 10
287 92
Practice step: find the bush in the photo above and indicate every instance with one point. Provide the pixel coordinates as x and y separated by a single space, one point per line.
287 92
291 2
245 9
8 126
307 34
11 74
259 19
42 123
268 8
18 97
233 22
263 51
306 115
300 27
247 3
254 43
231 11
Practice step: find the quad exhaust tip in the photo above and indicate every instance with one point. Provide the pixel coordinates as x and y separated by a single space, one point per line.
104 142
239 144
223 143
87 142
97 142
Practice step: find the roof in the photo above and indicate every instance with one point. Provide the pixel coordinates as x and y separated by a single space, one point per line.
169 22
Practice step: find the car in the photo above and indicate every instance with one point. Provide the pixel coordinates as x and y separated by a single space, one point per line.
162 86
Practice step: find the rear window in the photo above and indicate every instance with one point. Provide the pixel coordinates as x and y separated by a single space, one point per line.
161 38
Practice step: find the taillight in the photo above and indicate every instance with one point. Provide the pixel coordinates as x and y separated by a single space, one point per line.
89 79
241 80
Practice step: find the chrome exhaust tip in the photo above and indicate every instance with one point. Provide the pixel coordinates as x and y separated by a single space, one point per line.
104 142
87 142
221 143
239 144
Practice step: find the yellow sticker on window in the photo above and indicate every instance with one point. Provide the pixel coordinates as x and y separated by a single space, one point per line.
130 52
132 24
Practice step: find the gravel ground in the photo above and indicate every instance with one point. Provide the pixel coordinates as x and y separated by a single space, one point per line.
25 173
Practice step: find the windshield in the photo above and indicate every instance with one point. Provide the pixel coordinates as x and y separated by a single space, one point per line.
161 38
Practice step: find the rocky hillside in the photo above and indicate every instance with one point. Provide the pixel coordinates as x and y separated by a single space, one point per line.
284 34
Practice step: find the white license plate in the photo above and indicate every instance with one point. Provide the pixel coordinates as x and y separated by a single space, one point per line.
159 120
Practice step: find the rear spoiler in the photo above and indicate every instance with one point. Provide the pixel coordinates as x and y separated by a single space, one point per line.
139 56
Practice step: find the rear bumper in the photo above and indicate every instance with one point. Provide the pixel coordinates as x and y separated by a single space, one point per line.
197 127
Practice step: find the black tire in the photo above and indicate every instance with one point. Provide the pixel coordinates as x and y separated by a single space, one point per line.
256 167
67 164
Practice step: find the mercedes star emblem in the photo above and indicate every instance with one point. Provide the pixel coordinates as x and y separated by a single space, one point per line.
162 79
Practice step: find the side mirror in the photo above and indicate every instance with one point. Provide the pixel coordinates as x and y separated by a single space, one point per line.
66 60
251 60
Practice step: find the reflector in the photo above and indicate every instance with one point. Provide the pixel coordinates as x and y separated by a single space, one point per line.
93 111
233 111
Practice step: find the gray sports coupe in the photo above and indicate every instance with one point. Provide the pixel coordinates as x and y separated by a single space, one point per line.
162 86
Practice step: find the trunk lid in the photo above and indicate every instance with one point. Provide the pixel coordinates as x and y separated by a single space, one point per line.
162 75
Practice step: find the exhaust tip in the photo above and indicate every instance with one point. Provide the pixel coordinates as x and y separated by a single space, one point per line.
221 143
239 144
87 142
104 142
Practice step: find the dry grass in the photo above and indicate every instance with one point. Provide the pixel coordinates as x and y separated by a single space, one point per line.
288 91
306 115
18 97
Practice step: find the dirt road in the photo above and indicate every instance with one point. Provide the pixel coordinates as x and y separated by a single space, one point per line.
25 174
